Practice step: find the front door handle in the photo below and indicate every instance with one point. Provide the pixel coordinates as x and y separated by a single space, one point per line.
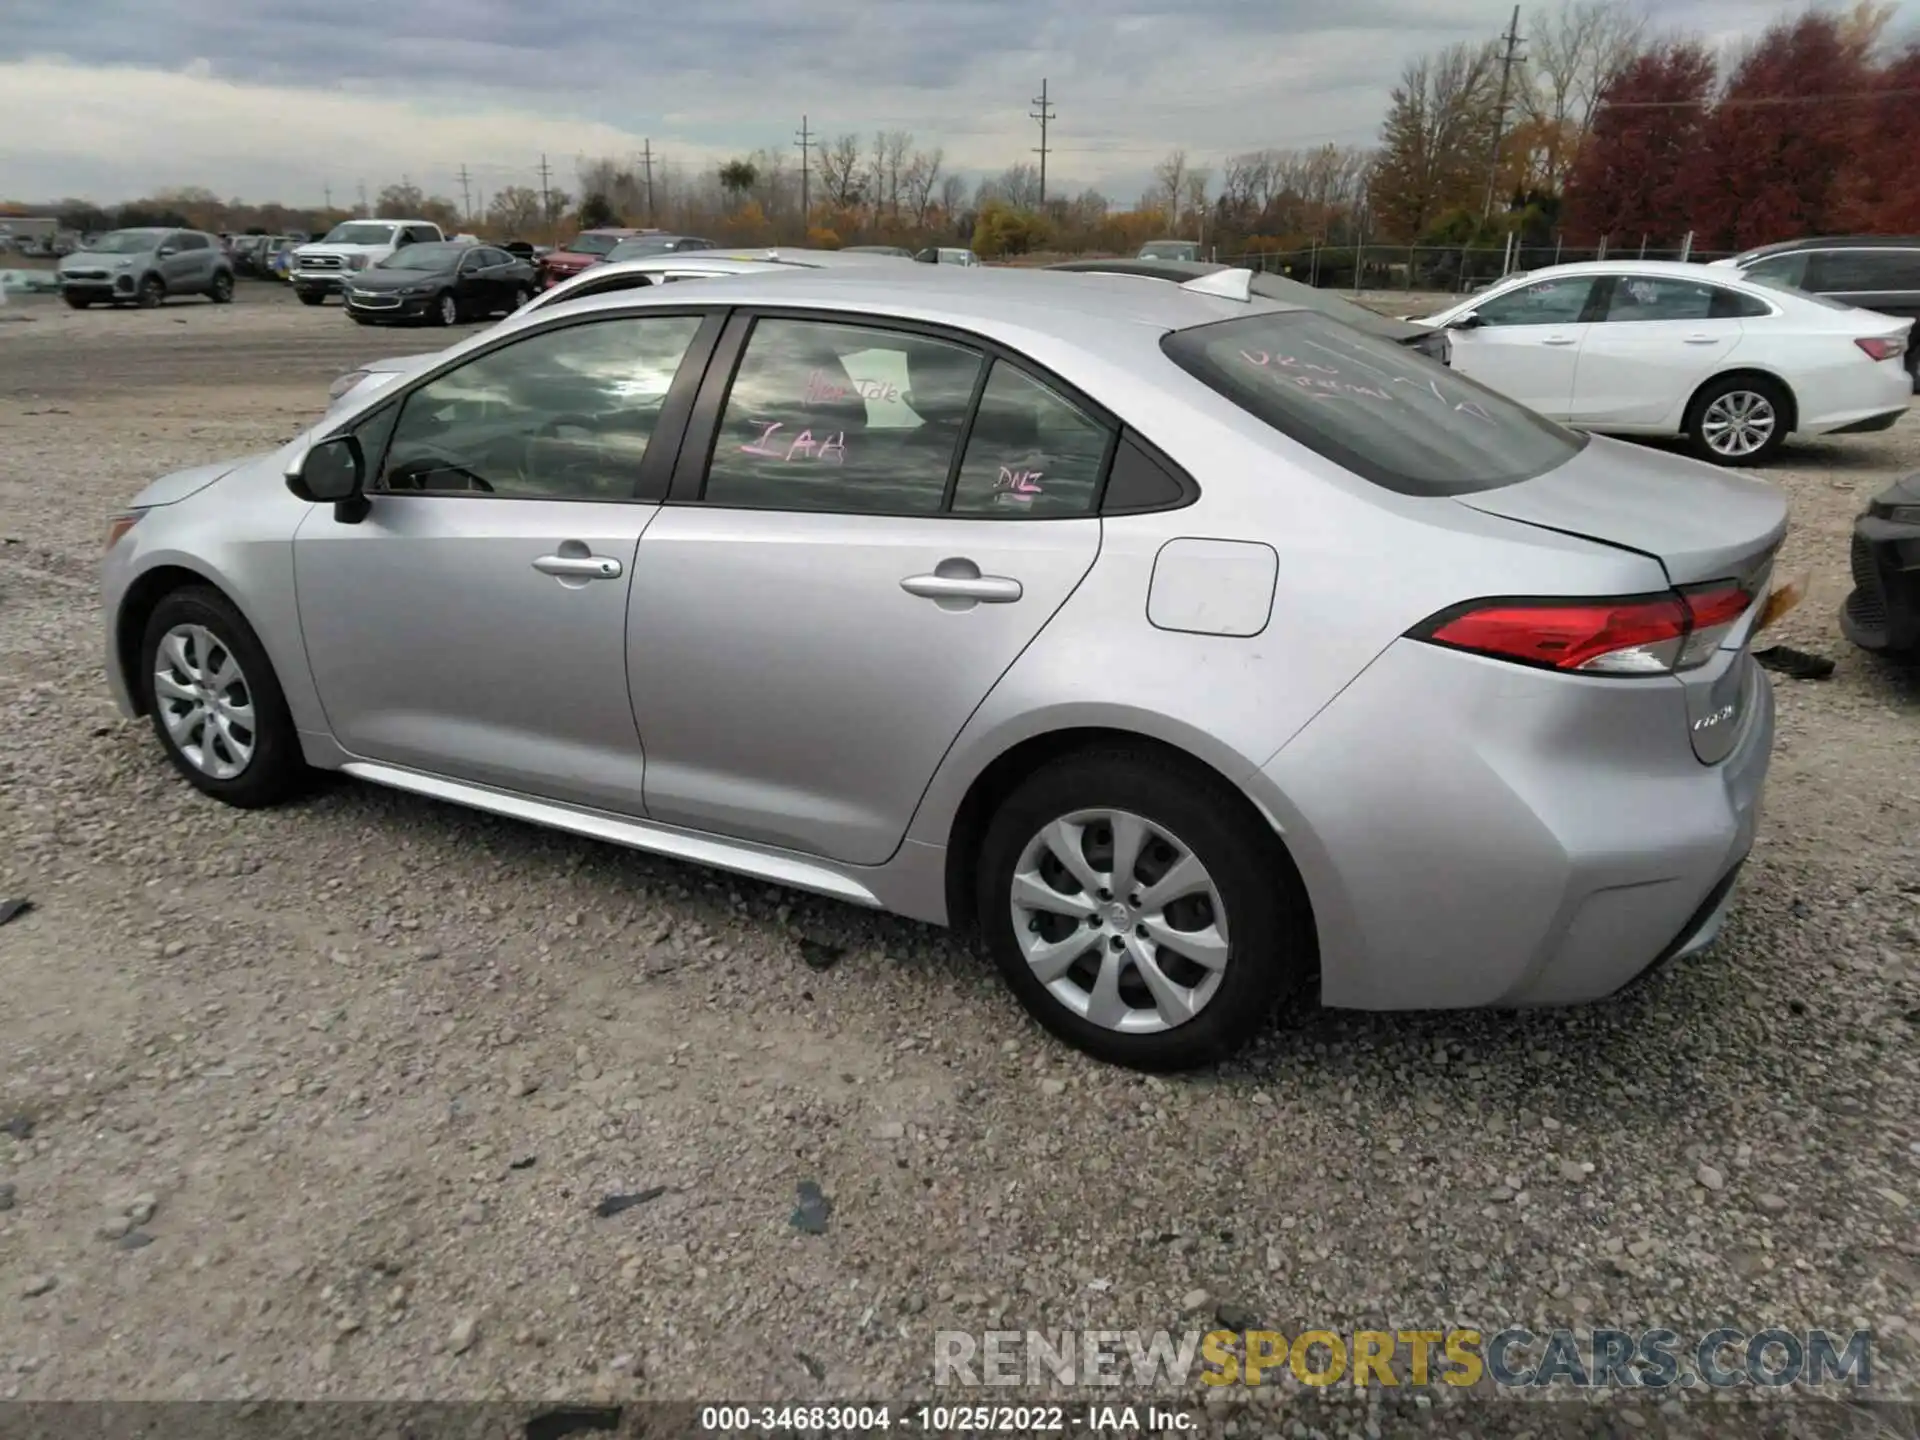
992 589
579 567
1558 340
1701 339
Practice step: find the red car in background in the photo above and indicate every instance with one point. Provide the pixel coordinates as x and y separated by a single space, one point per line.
587 248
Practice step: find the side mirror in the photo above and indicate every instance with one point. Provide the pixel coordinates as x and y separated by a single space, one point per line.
1469 321
333 472
165 252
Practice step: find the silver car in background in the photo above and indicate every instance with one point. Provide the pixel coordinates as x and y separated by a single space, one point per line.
1190 648
661 269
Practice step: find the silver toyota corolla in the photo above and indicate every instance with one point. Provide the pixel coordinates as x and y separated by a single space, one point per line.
1196 649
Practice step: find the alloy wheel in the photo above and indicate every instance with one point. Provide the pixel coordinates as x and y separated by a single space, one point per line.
1738 423
449 311
1120 921
204 701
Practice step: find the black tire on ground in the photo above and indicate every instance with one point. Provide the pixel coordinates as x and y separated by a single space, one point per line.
312 297
276 770
1272 953
446 309
221 290
1771 393
521 297
78 302
152 291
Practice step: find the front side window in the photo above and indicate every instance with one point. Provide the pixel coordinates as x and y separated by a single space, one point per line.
1031 452
562 415
1546 302
1662 297
1380 410
191 240
847 418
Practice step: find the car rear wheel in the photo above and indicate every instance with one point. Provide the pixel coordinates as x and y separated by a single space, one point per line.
78 302
215 703
1139 911
221 290
152 291
446 310
1738 420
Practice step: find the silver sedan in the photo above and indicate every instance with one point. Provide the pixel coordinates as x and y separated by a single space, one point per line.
1193 649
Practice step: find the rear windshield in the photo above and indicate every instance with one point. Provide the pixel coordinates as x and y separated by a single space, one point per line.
1381 410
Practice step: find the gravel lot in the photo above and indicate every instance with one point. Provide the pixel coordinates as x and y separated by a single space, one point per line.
362 1068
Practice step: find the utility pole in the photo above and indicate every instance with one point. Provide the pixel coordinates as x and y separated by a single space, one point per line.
1508 60
364 212
646 159
466 195
1043 115
546 204
805 146
326 190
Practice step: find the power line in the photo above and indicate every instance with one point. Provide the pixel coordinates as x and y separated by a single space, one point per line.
1507 62
805 144
1043 115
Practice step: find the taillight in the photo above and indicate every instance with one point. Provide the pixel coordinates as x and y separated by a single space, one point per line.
1631 635
1880 347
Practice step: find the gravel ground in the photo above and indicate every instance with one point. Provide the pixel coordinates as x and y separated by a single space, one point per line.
361 1069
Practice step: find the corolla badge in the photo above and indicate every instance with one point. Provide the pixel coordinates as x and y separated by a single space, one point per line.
1717 717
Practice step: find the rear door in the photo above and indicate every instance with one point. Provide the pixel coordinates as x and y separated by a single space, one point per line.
1527 342
868 524
1655 340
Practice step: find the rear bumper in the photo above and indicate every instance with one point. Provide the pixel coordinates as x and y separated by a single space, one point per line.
1848 402
1883 610
1884 421
1478 834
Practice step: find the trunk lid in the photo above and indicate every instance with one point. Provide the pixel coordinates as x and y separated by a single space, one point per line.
1700 523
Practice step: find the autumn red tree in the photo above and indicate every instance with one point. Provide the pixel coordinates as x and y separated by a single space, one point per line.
1632 175
1880 192
1782 136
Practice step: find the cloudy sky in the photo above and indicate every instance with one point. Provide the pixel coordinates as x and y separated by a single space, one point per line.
109 99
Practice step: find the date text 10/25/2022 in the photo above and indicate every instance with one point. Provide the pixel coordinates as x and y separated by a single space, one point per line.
1045 1419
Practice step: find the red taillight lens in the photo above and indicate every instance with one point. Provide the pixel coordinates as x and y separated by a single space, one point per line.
1632 635
1881 347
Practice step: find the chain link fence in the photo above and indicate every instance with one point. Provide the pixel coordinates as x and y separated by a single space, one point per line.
1451 269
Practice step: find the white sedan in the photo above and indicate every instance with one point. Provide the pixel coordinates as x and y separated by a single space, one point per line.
1733 362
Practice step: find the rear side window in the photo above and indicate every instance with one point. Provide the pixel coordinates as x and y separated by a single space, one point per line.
1386 413
1844 272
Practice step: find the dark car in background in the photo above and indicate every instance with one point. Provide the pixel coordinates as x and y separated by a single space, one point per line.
441 282
1869 272
1882 612
900 251
1432 343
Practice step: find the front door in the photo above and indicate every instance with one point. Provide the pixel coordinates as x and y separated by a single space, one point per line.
1527 342
844 585
185 269
472 624
1658 339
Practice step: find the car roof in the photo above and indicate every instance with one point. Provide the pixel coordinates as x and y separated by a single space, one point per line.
1691 269
1833 242
1267 286
1080 309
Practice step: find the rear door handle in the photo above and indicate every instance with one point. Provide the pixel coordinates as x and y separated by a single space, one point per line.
1558 340
1701 339
579 567
992 589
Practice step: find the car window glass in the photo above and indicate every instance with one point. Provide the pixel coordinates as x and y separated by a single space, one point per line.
1030 451
1549 302
1377 409
841 417
1788 269
187 240
1658 297
1847 271
562 415
1732 305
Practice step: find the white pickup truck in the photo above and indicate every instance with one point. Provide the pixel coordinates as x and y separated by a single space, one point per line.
320 269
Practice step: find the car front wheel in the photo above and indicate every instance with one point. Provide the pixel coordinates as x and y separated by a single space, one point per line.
152 291
215 703
221 290
446 310
1738 420
1140 911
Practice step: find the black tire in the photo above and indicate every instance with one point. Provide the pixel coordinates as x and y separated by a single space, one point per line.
77 302
312 297
276 769
520 297
1271 947
1776 399
446 309
221 290
152 291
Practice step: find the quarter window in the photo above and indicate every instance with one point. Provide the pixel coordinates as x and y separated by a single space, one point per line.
1549 302
1030 452
562 415
847 418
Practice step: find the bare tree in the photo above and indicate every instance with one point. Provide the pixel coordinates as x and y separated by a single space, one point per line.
923 171
840 175
515 209
1170 178
1575 51
1198 179
953 194
1017 185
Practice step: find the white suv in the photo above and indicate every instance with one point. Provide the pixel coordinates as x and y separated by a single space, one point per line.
320 269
